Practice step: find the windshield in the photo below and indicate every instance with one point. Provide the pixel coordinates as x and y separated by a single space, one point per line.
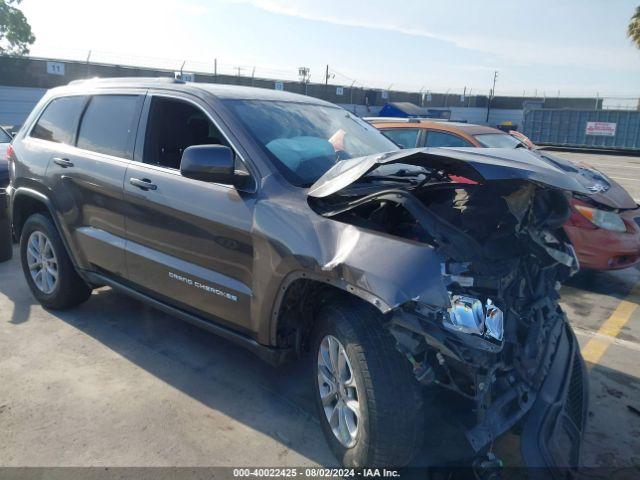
498 140
305 140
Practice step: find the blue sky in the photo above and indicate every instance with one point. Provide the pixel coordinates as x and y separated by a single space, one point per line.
574 46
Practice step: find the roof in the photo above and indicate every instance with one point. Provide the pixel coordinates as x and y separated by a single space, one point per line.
217 90
468 128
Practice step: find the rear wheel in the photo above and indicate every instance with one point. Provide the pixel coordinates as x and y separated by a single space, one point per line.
47 266
369 403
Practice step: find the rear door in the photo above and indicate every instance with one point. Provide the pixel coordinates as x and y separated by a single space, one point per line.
86 172
189 242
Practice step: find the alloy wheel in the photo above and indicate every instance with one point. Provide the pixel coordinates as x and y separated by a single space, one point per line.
42 262
338 391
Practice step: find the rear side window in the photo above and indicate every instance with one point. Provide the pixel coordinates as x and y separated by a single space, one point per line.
405 137
108 124
59 120
499 140
442 139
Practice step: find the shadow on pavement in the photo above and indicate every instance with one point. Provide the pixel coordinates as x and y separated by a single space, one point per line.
616 283
275 401
612 436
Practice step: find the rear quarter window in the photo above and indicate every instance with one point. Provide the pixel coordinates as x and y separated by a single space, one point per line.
108 124
405 137
59 120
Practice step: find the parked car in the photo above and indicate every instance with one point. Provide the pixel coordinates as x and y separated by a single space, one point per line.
415 132
5 141
271 219
604 227
522 138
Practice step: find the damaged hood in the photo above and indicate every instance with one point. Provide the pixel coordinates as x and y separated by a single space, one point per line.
602 189
477 164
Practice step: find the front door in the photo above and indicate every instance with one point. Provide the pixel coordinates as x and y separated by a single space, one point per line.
188 242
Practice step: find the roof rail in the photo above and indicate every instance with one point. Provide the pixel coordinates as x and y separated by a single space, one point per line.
125 80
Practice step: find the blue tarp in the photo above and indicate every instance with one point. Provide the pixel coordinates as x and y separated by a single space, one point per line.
411 110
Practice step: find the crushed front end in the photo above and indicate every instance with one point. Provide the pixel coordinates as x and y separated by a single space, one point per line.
502 348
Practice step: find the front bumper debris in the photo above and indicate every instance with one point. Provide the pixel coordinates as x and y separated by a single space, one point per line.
552 437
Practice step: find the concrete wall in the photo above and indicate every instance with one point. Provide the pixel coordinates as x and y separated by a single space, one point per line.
16 103
32 72
479 115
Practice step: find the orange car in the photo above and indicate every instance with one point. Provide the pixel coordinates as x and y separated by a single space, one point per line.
604 227
415 132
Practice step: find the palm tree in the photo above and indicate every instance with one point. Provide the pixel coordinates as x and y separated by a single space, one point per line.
633 32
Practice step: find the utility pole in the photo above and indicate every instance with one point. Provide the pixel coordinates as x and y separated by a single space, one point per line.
326 81
215 70
88 58
491 94
351 96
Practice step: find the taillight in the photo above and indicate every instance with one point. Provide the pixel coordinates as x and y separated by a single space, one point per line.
9 153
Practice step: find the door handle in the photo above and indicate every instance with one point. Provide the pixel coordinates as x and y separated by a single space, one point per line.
63 162
144 183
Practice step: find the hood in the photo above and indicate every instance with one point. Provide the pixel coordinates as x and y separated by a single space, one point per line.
484 164
602 189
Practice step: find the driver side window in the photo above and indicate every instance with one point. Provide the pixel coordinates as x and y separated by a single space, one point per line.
173 126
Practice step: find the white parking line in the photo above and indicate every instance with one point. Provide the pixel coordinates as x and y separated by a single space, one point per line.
626 178
606 165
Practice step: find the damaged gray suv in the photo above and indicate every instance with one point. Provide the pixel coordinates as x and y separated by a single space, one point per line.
422 283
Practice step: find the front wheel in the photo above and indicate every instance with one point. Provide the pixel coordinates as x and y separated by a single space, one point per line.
369 403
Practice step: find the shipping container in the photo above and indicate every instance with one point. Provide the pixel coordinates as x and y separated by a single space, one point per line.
606 129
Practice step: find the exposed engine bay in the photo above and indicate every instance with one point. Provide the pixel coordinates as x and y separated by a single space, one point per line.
503 257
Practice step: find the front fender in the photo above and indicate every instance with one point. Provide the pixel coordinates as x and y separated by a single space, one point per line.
383 270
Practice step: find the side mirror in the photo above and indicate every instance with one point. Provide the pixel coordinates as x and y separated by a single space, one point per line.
209 163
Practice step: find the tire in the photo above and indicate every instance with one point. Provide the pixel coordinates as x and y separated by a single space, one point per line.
389 427
69 289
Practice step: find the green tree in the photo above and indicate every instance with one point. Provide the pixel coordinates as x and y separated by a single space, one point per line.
634 28
15 31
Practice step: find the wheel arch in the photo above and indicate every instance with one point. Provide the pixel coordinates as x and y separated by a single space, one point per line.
28 201
299 297
25 202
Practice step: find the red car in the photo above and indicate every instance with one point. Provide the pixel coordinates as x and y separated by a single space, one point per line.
604 227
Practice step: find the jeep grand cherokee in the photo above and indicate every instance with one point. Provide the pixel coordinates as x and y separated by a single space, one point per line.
273 220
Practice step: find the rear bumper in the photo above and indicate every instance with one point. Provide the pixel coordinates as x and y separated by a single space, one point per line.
552 436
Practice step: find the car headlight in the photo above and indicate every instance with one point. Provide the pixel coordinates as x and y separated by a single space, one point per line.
467 315
602 218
